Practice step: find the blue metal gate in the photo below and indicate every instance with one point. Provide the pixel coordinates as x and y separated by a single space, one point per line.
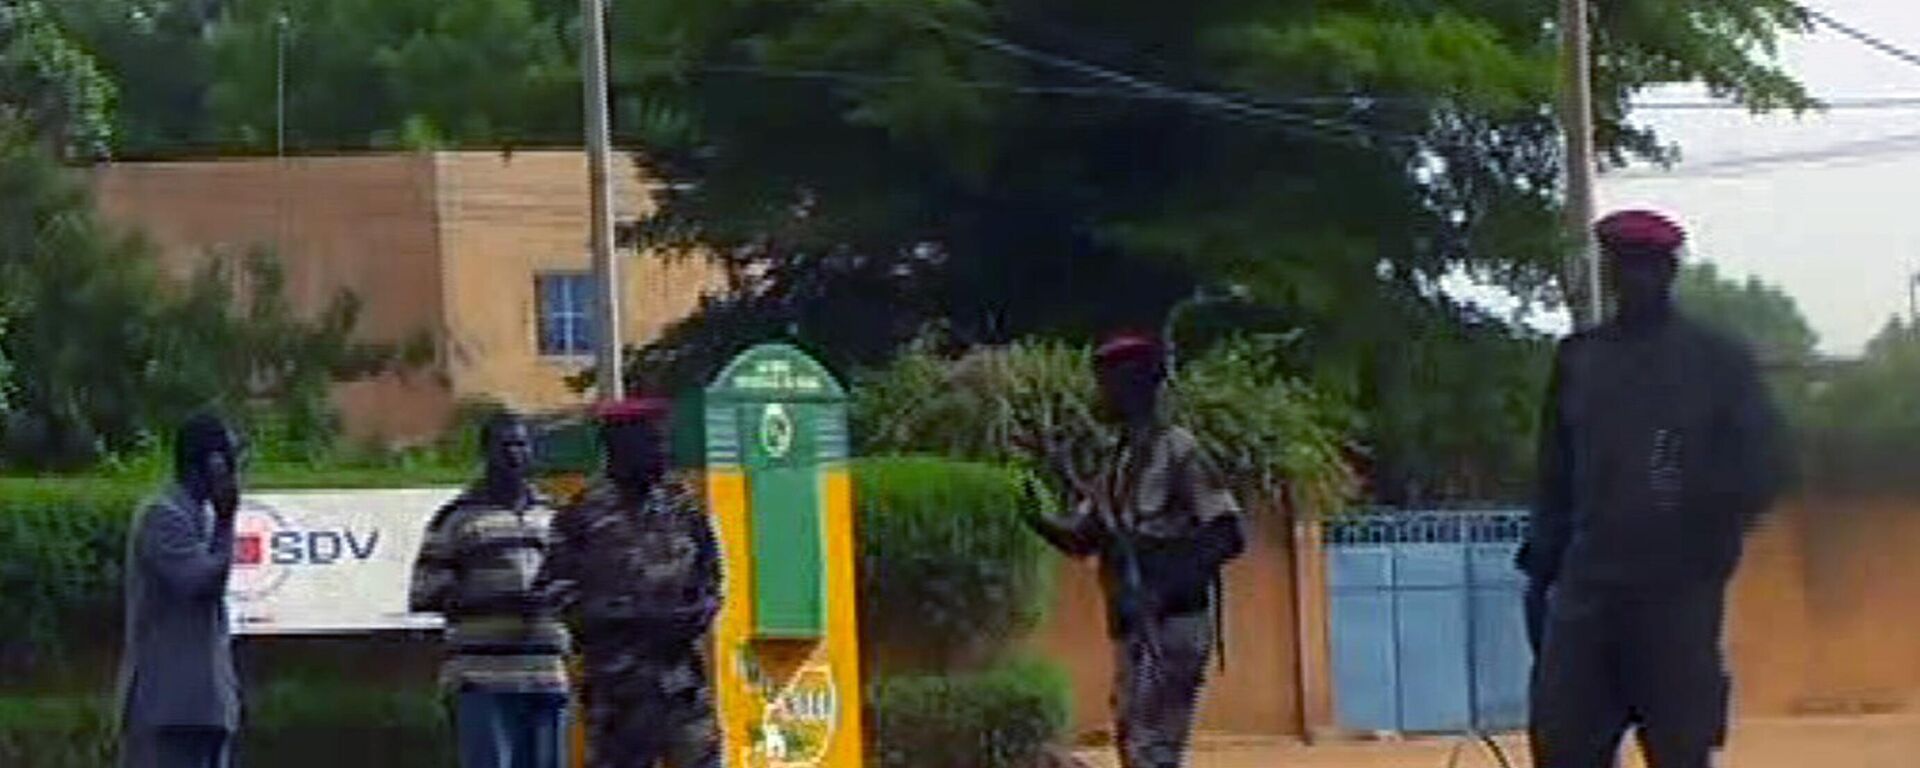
1428 628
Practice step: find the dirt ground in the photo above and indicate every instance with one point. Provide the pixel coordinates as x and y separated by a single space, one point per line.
1807 742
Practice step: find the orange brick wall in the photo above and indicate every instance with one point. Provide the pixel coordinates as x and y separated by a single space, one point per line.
1821 619
360 224
503 218
444 244
1260 691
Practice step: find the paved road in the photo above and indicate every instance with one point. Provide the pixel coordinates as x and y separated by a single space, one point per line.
1891 741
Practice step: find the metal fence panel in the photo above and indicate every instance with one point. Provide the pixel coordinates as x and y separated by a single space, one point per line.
1365 670
1435 695
1428 628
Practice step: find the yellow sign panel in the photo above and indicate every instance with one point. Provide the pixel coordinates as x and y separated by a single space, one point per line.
787 703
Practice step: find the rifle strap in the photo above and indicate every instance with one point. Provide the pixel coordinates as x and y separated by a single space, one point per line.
1219 621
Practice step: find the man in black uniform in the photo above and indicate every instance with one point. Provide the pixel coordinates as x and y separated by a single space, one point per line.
1658 453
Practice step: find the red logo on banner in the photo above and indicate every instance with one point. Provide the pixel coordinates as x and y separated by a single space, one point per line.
248 549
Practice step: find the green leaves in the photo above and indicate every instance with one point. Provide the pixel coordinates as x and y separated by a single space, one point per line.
52 86
1453 57
950 578
1270 433
1004 717
416 74
1760 314
61 546
1862 426
108 353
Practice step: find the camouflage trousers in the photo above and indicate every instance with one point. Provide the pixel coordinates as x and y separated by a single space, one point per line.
1157 679
641 712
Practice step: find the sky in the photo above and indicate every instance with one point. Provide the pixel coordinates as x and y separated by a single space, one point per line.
1825 206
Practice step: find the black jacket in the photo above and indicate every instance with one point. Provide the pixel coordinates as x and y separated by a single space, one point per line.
1659 448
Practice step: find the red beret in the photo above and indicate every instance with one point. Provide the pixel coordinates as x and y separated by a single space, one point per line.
634 409
1128 347
1640 231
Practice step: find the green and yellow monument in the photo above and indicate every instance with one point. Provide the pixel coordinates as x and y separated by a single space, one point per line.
767 438
773 427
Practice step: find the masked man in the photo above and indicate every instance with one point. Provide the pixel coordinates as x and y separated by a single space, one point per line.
179 696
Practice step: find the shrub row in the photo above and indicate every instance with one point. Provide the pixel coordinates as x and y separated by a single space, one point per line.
951 583
289 723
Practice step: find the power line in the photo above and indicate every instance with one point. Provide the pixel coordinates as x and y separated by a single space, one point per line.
1860 35
1216 102
1843 104
858 77
1905 143
1351 101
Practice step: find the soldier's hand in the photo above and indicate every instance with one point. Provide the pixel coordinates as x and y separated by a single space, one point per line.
1056 452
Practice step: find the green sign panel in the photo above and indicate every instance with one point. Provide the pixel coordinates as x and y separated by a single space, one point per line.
781 418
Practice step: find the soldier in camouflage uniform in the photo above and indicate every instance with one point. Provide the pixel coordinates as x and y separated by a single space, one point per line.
1163 523
635 571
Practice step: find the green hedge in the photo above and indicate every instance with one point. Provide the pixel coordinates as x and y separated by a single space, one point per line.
1271 432
949 576
63 543
289 723
1004 717
951 581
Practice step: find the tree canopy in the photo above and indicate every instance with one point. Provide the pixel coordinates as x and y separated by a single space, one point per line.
50 87
1865 420
999 169
1057 166
1761 314
109 354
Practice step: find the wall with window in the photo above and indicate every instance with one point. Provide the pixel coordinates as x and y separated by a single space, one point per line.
564 317
519 297
484 252
363 224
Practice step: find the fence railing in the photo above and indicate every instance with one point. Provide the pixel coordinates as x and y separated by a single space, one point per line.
1428 628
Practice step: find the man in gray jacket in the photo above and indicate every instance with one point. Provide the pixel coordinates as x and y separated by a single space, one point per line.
179 696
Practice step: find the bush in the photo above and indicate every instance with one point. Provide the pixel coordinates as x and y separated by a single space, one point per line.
1271 434
49 732
62 544
289 724
950 577
1862 431
108 352
1001 718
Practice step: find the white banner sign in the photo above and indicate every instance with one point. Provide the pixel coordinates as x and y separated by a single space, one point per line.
329 561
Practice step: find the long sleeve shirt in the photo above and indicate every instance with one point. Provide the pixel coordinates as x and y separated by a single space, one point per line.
1658 450
635 576
176 667
1162 496
477 569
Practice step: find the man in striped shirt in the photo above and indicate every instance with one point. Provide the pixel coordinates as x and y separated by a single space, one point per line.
506 649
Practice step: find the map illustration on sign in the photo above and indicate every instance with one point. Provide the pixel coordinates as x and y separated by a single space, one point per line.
796 723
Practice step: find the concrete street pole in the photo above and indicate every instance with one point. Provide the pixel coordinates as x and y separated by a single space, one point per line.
593 49
1576 119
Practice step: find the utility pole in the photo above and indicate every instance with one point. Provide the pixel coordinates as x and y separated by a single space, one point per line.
1576 119
281 25
593 49
1913 301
